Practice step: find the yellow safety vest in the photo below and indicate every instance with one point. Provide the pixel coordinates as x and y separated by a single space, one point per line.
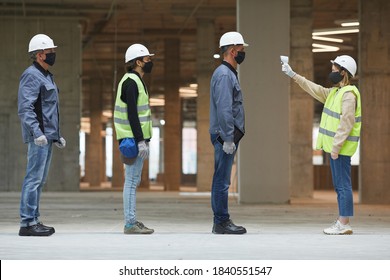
330 121
121 120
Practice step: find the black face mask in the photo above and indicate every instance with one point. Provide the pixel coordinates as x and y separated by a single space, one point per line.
335 77
148 67
50 58
240 57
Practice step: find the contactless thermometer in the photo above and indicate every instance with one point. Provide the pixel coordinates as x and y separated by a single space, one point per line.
284 59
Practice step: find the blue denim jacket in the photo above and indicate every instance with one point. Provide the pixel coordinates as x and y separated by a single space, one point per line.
38 104
226 103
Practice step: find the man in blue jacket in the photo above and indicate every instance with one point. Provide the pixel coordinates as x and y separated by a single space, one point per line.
227 126
39 115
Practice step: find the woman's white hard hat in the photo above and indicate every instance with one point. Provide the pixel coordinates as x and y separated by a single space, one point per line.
347 62
136 50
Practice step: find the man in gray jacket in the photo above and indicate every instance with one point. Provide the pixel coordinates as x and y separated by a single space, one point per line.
39 115
227 122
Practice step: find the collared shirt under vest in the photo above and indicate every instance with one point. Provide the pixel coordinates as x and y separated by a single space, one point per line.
330 121
121 120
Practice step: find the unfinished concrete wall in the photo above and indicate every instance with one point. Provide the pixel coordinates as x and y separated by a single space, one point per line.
374 73
16 34
301 103
173 119
205 67
264 151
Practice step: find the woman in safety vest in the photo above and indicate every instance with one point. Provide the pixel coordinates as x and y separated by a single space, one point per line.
339 130
133 127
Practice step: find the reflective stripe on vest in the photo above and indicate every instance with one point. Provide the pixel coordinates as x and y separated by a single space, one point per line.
121 120
330 121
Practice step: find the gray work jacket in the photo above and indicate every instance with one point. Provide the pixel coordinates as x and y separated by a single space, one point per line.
226 103
38 104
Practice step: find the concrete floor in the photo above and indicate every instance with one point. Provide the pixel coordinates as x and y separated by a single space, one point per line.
89 226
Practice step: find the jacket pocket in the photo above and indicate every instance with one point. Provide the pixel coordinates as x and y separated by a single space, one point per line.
237 94
49 93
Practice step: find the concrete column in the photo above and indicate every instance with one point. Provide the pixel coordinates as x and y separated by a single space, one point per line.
301 104
94 157
64 174
374 84
173 119
145 183
205 66
264 152
117 165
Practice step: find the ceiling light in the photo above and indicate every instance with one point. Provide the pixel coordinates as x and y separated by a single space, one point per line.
188 92
324 48
347 22
107 113
328 39
334 31
156 102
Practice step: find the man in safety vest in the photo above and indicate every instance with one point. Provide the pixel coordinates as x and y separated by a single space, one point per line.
133 124
339 131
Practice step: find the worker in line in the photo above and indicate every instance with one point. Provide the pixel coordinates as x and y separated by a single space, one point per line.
339 130
133 127
38 110
227 127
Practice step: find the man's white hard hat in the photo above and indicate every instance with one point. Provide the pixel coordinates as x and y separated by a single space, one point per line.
347 63
136 50
40 42
232 38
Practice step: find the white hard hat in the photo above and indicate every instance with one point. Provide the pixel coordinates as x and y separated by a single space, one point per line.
40 42
232 38
136 50
347 63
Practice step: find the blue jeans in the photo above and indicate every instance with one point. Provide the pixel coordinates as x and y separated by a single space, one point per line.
38 164
221 181
341 176
132 180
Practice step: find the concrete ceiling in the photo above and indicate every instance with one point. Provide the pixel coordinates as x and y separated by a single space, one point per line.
109 26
